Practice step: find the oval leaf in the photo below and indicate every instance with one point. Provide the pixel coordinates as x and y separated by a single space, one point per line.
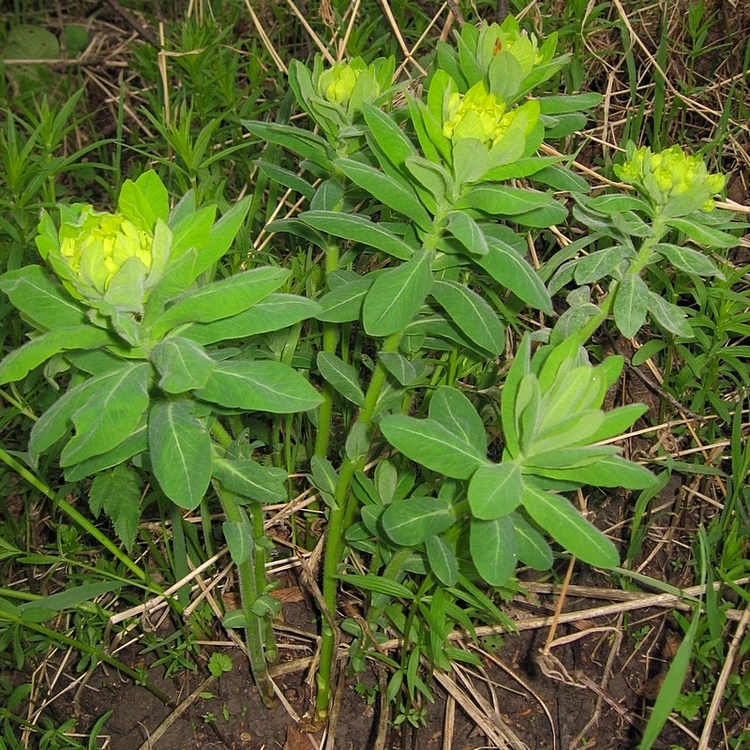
411 521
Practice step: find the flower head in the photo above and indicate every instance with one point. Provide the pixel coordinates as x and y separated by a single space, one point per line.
99 244
476 114
674 181
337 83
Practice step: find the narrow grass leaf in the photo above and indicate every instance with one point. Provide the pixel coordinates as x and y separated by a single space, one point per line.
378 585
259 386
180 449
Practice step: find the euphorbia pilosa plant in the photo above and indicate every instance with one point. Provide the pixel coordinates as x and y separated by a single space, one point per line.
133 324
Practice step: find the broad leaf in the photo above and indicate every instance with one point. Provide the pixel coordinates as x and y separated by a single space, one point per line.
299 141
399 196
494 550
398 366
533 549
259 386
396 295
567 526
135 443
21 361
43 301
413 520
501 200
239 538
510 269
118 493
704 235
518 371
180 449
248 478
673 318
442 561
108 417
221 299
612 471
631 304
495 491
429 443
450 408
388 135
273 313
688 260
358 229
344 303
221 236
471 314
182 364
342 376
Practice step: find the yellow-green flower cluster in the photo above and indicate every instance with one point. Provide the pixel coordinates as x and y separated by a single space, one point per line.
511 39
97 247
337 83
476 114
671 177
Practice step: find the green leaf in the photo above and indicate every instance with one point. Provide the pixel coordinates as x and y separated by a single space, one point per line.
398 366
287 178
118 493
612 471
71 597
299 141
495 491
616 203
600 264
442 561
501 200
239 537
704 235
494 550
471 314
43 301
259 386
221 299
273 313
135 443
399 196
617 421
182 364
344 303
450 408
21 361
541 218
568 458
388 135
413 520
358 229
342 376
263 484
688 260
221 236
467 232
378 585
510 269
108 417
533 549
180 449
433 177
673 318
396 295
429 443
561 104
566 525
631 304
518 371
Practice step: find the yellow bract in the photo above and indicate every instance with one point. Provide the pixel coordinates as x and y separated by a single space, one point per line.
476 114
99 246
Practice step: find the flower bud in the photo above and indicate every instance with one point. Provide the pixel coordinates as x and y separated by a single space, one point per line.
337 83
476 114
96 248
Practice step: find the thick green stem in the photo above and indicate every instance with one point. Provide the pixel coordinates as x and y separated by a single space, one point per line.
249 592
341 517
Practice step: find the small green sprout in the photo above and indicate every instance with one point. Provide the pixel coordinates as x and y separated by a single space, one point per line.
219 663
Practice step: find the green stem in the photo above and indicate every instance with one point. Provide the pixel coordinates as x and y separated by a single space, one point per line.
76 516
341 517
249 593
